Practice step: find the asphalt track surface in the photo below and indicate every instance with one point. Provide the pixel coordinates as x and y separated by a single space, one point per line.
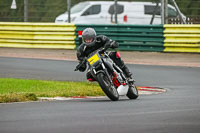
177 110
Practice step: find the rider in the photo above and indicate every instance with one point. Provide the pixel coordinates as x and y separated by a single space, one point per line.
91 42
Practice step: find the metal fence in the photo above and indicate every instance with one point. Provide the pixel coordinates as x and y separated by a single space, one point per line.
48 10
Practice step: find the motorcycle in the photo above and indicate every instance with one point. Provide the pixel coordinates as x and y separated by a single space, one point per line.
110 77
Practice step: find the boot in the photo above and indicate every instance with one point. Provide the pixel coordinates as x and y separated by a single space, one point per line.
128 74
126 71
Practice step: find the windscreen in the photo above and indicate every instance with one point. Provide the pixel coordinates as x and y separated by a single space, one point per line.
79 7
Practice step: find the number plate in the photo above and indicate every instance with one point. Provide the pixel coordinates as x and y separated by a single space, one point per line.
93 59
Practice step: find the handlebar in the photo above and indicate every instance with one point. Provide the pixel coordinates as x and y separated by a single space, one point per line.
101 50
80 64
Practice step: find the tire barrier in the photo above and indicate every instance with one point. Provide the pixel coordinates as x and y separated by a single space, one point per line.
37 35
182 38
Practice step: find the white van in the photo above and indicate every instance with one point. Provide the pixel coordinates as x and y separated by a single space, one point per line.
102 12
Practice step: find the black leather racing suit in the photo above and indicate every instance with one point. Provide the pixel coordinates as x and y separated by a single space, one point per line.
101 41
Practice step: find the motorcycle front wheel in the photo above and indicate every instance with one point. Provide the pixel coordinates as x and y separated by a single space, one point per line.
107 87
132 92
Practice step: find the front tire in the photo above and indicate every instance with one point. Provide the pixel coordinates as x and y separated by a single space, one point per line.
107 87
132 92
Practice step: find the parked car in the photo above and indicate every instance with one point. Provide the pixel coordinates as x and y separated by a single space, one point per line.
102 12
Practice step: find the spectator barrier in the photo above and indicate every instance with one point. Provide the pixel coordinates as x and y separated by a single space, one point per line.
153 38
131 37
37 35
182 38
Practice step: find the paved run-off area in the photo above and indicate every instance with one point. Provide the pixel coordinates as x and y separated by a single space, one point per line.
130 57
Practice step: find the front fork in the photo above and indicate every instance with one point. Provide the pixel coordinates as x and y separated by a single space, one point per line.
107 74
104 70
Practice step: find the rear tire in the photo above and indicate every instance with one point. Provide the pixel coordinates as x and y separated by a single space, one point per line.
132 92
106 86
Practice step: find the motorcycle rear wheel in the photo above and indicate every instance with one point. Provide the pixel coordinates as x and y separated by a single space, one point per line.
132 92
106 86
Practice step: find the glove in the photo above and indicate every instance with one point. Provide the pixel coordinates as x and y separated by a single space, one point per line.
114 44
82 68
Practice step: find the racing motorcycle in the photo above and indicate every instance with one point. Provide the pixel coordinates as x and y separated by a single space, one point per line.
110 77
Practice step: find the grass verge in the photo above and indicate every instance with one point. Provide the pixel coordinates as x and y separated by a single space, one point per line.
18 90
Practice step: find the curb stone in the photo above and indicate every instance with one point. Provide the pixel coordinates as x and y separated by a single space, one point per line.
142 91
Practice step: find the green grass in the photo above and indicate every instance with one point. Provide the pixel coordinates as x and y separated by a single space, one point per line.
17 90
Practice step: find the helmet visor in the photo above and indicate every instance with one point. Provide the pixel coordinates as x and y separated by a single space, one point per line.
89 40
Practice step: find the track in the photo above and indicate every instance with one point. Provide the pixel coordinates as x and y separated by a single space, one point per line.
178 110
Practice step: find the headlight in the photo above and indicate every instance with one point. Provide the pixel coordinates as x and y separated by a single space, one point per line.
57 21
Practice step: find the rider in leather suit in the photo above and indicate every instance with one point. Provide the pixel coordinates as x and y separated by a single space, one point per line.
91 42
